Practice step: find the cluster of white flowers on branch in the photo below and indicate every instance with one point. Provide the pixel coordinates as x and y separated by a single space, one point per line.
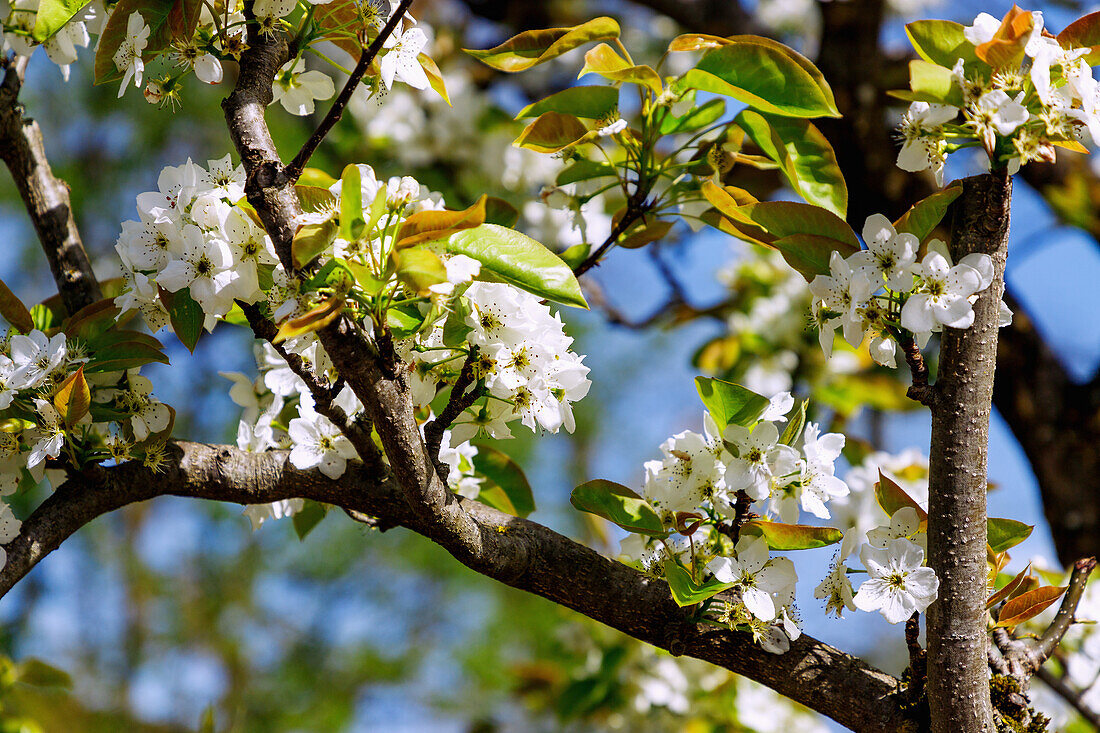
883 290
1007 86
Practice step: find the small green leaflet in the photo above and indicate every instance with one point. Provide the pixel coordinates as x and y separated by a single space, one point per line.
729 403
685 591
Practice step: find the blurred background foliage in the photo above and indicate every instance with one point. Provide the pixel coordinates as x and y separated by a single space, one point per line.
173 615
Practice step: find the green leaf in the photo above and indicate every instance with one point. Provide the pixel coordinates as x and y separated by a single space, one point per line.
531 48
694 119
35 672
309 517
53 15
729 403
618 504
351 206
311 240
941 42
926 214
13 310
185 315
685 591
116 350
584 170
645 234
92 320
795 423
1004 534
589 102
508 477
508 256
404 320
551 132
313 198
418 269
435 77
804 156
935 84
43 318
765 76
168 20
1028 605
575 255
792 536
604 61
455 329
892 497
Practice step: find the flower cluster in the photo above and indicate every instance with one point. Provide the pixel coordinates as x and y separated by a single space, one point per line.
192 241
54 415
1016 91
884 291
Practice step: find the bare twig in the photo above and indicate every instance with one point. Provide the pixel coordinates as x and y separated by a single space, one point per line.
920 390
337 109
635 209
459 401
45 196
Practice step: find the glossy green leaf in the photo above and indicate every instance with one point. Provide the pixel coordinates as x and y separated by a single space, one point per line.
53 15
796 420
765 76
618 504
588 102
418 269
43 318
116 350
685 591
575 255
351 209
804 156
1028 605
403 321
603 60
13 310
551 132
309 517
694 119
508 477
185 315
508 256
311 240
584 170
168 20
499 211
1004 534
940 42
313 198
535 47
925 215
729 403
934 84
792 536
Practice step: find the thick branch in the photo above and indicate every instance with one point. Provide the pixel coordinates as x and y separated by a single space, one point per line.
337 109
45 196
958 692
553 566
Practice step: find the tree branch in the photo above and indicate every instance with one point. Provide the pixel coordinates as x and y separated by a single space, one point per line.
337 109
958 689
550 565
45 196
1061 688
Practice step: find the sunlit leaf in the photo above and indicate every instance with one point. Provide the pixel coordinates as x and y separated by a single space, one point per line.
73 398
1083 33
508 477
13 310
1004 534
429 226
685 591
1009 588
892 497
618 504
646 234
603 60
941 42
729 403
1028 605
311 240
418 269
588 102
315 319
551 132
538 46
925 215
792 536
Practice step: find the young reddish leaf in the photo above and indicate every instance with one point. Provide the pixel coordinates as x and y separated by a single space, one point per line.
604 61
892 497
429 226
551 132
73 398
435 77
531 48
92 320
1006 48
1009 588
13 310
1083 33
1028 605
314 320
792 536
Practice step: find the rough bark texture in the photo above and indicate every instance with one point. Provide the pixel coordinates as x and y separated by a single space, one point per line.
541 562
45 196
958 691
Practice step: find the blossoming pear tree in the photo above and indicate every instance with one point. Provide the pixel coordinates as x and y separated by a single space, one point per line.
393 328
